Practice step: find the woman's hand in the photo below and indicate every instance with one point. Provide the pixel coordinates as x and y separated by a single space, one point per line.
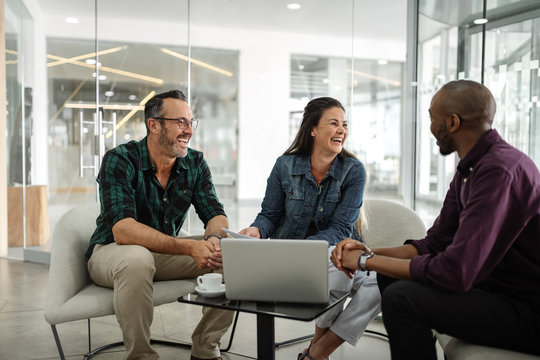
251 231
343 247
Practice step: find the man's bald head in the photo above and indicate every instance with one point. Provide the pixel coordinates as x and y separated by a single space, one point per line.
471 101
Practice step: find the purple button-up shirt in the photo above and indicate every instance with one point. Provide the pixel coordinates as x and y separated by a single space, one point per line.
488 232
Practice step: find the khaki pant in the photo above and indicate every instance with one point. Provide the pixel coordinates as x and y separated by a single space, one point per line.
130 270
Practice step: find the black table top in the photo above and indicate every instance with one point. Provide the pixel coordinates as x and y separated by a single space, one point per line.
294 311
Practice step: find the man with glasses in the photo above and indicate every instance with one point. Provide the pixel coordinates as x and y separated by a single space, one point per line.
146 189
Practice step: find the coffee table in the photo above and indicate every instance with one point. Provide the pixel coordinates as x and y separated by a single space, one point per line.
266 312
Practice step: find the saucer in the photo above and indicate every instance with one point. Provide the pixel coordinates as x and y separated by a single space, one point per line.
213 293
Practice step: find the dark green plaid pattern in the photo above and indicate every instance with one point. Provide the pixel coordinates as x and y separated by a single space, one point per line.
130 188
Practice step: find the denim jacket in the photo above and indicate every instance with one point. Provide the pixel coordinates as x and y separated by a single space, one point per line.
293 199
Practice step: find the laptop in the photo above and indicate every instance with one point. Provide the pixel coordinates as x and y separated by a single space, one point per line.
275 270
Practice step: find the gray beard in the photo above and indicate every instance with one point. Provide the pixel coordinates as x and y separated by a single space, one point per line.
169 146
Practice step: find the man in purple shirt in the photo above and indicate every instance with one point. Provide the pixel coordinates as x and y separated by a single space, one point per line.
476 275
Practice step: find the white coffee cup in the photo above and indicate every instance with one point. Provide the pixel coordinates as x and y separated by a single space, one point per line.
210 281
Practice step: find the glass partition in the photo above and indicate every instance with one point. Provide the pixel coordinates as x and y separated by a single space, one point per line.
248 69
376 132
70 70
503 54
15 126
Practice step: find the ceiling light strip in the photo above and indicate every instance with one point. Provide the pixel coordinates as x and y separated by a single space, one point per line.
381 79
87 56
76 105
156 81
197 62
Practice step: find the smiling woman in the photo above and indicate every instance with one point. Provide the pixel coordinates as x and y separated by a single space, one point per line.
315 191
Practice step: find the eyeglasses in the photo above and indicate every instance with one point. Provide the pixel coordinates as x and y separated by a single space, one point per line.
182 122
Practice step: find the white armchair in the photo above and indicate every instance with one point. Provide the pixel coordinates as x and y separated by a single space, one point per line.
456 349
390 223
72 295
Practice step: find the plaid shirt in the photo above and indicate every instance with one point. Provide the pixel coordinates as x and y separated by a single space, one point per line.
129 188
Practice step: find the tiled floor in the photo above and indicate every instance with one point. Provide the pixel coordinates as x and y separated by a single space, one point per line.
24 334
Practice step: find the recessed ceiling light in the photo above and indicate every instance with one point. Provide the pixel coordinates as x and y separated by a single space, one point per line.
132 97
480 21
382 61
300 67
71 20
293 6
100 77
109 93
90 61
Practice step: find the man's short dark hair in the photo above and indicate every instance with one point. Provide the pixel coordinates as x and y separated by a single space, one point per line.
154 106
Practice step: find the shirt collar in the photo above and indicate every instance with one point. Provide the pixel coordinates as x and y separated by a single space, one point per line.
146 164
467 164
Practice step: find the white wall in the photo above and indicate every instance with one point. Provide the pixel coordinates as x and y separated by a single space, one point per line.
263 77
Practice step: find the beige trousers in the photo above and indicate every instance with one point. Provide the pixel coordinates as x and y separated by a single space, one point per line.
130 270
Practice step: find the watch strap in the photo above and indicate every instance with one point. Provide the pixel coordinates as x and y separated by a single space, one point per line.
362 259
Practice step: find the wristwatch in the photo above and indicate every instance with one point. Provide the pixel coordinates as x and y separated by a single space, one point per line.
362 259
214 235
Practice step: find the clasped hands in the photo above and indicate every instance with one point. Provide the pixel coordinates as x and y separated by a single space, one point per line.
207 254
345 255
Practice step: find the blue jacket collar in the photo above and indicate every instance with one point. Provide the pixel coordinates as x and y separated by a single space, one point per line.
302 166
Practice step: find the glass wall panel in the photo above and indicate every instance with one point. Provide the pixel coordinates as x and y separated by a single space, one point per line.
248 68
375 116
452 47
71 93
376 127
508 72
214 94
438 30
371 91
18 126
280 65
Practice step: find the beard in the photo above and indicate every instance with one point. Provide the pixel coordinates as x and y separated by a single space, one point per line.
169 145
446 144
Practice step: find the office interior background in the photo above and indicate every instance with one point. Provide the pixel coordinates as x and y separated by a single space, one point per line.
77 75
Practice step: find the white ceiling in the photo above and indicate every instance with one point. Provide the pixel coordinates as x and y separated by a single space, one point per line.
382 19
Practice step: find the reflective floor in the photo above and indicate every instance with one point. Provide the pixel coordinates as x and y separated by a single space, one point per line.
25 335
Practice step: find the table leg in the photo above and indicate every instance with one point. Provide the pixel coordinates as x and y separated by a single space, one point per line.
265 337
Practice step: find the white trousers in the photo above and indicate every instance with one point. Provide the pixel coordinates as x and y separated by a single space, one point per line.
349 322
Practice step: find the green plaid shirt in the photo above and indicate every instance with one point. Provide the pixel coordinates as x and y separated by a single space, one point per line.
129 188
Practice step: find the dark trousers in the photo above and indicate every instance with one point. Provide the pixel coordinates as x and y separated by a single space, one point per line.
411 310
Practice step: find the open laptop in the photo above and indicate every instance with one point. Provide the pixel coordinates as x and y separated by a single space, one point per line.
276 270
